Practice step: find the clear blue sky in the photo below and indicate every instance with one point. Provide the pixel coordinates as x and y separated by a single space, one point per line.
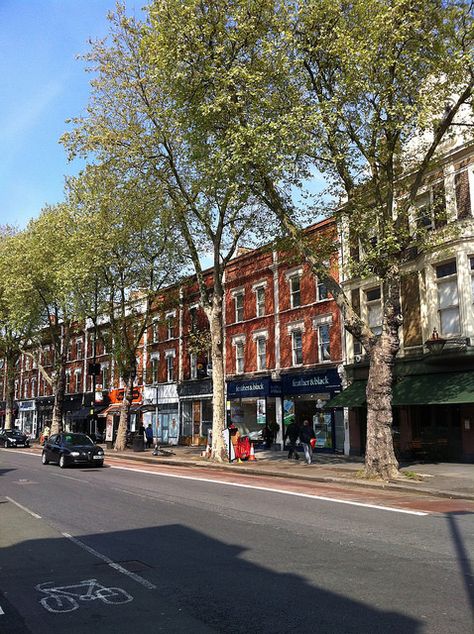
42 85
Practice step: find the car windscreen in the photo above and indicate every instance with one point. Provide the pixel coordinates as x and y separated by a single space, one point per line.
11 432
77 439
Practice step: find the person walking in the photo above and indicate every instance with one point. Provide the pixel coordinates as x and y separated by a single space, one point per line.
306 434
292 434
149 436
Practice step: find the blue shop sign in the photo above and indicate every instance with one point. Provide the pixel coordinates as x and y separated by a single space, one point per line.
309 383
253 387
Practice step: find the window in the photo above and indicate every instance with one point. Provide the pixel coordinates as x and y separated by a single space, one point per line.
78 349
324 344
25 389
260 301
239 306
295 291
193 318
321 291
78 380
69 352
33 388
471 262
105 377
155 333
239 357
193 365
170 326
448 299
170 368
154 370
424 219
68 383
297 347
373 300
261 353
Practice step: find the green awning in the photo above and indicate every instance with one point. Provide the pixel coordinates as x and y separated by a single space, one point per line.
352 396
435 389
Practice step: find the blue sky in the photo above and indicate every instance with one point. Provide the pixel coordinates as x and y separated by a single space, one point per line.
42 85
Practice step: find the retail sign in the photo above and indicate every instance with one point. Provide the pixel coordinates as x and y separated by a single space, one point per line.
26 406
117 396
311 382
253 387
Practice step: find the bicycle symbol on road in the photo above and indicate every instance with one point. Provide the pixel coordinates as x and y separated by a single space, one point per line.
66 598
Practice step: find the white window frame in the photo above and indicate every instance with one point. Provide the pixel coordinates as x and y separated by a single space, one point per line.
471 268
295 292
295 334
79 349
169 358
260 298
371 306
261 353
67 382
444 280
238 306
238 343
77 381
155 330
170 325
193 371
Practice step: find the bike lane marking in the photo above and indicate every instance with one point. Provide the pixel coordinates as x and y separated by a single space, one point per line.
144 582
323 498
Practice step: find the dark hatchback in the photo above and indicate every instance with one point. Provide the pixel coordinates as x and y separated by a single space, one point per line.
70 449
13 438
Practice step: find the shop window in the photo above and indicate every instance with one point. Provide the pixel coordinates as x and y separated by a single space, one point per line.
297 347
169 368
261 353
239 357
448 298
239 306
295 291
260 301
324 344
373 300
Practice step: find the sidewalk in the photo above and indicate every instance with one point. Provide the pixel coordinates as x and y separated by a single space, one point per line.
450 480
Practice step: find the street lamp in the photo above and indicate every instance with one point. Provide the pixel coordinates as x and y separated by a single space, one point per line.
436 343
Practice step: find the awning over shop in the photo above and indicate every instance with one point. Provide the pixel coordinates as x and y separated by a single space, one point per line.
116 407
352 396
448 388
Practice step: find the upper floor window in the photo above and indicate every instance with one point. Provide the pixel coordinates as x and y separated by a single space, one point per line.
69 352
448 298
193 365
170 326
239 357
260 301
154 370
295 291
155 332
261 353
68 383
169 368
78 381
471 262
297 347
373 300
193 318
324 343
105 376
239 306
26 387
321 291
79 349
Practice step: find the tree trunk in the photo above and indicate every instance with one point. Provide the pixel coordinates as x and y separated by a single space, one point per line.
121 440
10 395
59 386
216 323
380 461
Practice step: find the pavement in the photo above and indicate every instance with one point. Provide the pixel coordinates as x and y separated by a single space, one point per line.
451 480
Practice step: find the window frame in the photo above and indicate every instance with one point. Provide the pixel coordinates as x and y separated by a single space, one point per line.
239 307
297 350
261 355
295 292
443 280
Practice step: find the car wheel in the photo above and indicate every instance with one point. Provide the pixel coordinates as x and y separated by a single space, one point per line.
62 461
44 460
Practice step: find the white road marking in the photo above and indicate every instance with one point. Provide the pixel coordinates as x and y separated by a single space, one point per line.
1 611
23 508
272 490
112 564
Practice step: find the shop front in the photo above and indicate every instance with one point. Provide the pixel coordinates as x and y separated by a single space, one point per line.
27 417
44 409
166 430
112 413
195 398
254 406
305 397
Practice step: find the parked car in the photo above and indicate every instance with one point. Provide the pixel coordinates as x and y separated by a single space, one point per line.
70 449
13 438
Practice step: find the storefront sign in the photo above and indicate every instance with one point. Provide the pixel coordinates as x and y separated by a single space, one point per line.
195 388
116 396
253 387
310 383
26 406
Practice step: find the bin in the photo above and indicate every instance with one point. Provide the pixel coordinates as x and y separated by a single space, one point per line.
138 443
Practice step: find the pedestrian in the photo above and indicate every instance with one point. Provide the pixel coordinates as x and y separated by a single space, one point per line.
45 435
292 434
149 436
306 434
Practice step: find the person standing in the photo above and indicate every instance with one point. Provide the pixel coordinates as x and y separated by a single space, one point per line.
306 434
291 434
149 436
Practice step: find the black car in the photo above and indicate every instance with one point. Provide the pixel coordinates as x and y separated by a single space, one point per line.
68 449
13 438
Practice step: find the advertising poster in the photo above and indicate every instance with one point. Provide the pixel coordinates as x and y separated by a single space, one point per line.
288 412
261 411
109 430
173 433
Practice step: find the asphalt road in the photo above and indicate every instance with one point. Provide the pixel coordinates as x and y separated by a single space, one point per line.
122 550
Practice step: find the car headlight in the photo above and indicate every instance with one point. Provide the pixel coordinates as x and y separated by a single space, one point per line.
75 453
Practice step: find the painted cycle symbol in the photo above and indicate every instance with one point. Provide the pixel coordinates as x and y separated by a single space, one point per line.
66 598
